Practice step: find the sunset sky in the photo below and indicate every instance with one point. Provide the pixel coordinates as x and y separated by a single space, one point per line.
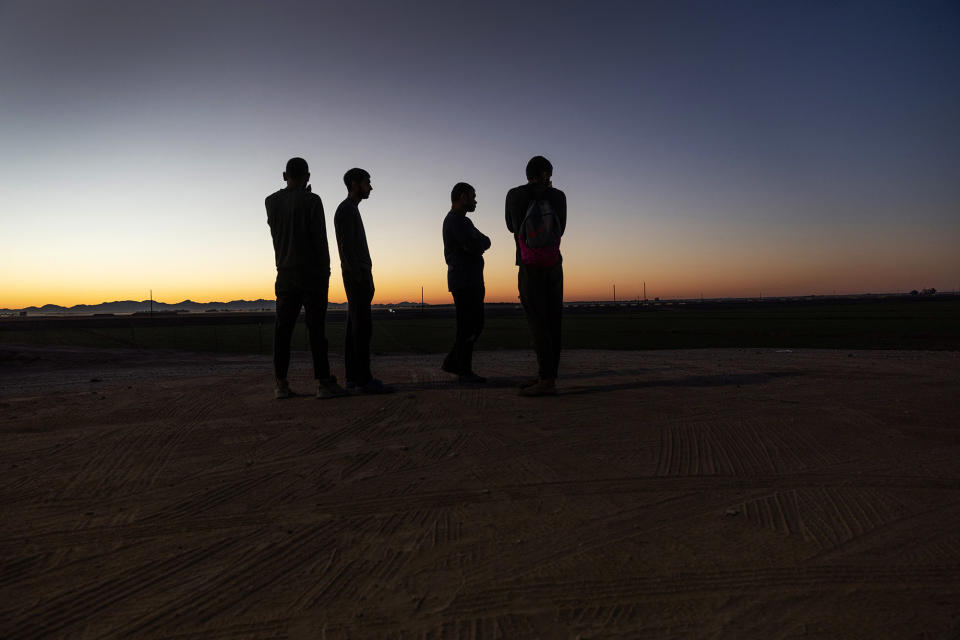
706 148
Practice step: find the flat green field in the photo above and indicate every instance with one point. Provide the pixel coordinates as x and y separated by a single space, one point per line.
882 324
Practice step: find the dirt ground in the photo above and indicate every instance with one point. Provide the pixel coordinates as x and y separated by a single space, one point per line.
730 493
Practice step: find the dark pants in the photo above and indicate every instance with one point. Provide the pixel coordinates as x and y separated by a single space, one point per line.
356 353
469 303
541 292
295 290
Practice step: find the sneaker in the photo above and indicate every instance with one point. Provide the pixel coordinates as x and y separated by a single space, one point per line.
330 389
471 377
283 390
541 388
374 387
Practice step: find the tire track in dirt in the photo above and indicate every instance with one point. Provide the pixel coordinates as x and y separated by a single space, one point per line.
355 463
738 447
527 555
171 442
890 522
439 449
836 516
278 629
137 531
778 512
24 568
376 415
375 501
204 499
694 449
627 621
108 454
250 572
391 426
75 559
115 460
62 612
567 594
386 545
473 396
64 445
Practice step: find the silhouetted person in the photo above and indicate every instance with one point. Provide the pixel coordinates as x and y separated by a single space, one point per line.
463 247
536 214
299 231
357 269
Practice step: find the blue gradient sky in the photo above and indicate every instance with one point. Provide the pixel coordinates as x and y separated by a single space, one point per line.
723 149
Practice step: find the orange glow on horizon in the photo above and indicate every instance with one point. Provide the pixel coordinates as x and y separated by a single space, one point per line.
709 270
437 295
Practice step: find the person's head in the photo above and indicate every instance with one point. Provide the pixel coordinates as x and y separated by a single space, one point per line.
357 182
539 170
297 173
463 198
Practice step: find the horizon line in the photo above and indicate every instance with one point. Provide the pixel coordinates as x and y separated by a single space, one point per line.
632 299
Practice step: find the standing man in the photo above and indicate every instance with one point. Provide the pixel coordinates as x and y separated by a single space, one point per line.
536 215
357 269
463 247
299 231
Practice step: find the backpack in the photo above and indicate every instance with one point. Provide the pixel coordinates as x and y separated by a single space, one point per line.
539 235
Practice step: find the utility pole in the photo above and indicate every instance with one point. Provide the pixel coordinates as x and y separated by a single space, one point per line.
421 299
614 294
151 303
644 290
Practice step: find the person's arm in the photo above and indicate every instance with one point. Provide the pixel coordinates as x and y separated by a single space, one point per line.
483 242
351 264
510 211
562 211
343 223
468 238
266 204
319 233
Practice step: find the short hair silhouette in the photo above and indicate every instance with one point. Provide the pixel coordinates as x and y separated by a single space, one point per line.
537 166
354 175
459 189
297 168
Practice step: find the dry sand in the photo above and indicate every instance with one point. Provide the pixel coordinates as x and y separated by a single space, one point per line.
668 494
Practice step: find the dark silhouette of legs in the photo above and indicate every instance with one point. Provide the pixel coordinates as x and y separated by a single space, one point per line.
470 321
293 292
288 308
541 293
315 315
358 334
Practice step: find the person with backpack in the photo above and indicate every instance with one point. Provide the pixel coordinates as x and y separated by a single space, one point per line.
463 247
536 215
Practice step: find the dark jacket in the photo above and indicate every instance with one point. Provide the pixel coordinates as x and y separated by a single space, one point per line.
355 260
299 231
463 247
519 198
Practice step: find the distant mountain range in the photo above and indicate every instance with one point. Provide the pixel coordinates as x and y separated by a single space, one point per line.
133 306
189 306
